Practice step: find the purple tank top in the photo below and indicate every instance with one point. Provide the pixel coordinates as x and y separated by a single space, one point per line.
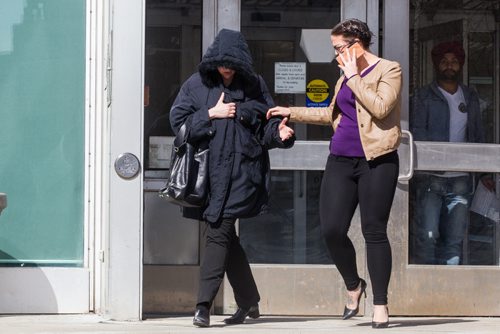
346 141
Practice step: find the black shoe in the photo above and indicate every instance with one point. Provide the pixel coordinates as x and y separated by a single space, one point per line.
348 313
201 317
384 324
241 314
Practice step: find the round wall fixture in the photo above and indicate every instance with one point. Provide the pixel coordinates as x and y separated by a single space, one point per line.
127 165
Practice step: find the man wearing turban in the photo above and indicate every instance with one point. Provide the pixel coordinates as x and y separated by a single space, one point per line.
453 48
445 111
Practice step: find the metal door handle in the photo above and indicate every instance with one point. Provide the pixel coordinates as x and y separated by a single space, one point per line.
409 175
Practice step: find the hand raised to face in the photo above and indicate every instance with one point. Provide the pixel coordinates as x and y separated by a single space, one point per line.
349 61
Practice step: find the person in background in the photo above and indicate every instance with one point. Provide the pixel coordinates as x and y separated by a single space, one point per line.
363 164
445 111
225 104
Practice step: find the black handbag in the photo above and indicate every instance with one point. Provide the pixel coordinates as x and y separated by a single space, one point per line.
188 182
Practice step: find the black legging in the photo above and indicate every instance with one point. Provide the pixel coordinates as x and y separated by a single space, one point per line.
372 184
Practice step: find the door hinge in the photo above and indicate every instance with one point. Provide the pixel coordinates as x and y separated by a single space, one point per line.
101 255
109 70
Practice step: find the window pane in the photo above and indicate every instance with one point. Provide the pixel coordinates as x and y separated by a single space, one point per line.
172 54
275 34
42 92
455 218
290 231
454 72
466 32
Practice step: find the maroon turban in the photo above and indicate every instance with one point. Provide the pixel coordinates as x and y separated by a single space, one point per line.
439 51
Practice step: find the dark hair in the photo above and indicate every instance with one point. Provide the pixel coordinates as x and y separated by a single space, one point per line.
355 29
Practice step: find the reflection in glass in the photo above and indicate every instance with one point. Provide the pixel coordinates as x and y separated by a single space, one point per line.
172 54
482 245
273 30
290 231
453 98
473 25
442 203
455 218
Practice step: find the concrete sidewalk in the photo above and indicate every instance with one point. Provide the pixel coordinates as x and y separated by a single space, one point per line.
20 324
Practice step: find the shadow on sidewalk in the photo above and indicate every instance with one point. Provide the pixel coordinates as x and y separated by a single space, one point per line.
217 320
420 322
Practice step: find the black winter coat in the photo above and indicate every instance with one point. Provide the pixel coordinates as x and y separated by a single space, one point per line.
239 171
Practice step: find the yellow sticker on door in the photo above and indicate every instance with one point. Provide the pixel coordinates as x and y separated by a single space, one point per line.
317 93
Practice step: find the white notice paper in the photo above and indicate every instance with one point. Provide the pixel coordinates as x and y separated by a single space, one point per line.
486 203
290 78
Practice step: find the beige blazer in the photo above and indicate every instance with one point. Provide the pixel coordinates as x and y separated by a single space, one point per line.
378 105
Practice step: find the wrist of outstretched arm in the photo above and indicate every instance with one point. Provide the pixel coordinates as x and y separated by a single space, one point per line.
318 116
293 114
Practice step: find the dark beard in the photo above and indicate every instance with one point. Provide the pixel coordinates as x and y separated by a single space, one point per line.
448 75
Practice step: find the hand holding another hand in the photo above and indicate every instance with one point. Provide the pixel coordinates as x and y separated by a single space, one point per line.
278 111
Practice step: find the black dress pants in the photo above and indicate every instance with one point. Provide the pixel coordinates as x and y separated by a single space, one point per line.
224 254
346 183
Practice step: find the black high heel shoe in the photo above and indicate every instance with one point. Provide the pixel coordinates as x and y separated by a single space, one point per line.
348 313
384 324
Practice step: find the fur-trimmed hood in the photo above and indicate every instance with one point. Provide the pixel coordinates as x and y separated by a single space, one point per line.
229 49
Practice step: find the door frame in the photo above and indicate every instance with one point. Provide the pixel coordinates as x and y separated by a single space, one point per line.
278 282
57 290
428 296
122 228
430 289
123 258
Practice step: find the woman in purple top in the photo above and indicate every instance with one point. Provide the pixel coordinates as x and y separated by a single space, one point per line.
363 164
346 140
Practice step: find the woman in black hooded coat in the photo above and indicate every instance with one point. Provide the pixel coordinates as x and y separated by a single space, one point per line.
224 104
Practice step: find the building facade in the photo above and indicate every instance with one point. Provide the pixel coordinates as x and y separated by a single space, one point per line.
90 84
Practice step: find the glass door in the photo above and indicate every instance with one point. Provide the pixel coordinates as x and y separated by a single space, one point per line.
293 270
286 249
44 231
173 40
448 263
